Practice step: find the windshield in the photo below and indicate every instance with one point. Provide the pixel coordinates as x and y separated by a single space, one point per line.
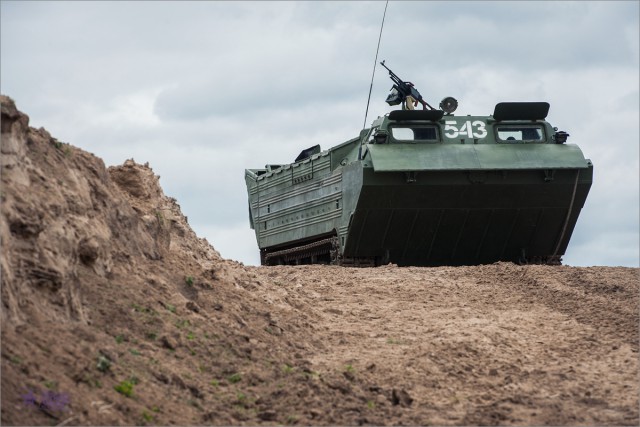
414 133
520 133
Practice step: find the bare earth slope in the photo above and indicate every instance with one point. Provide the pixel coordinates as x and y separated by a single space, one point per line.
114 312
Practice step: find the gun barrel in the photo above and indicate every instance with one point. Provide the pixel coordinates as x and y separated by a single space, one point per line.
391 73
406 88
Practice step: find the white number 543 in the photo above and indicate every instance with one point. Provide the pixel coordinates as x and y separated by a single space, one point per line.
470 129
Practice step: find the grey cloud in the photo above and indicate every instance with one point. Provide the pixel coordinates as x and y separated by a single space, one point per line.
535 35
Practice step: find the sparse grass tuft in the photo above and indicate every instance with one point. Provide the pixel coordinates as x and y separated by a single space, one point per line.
234 378
287 369
147 417
104 364
188 280
15 359
182 323
349 372
125 388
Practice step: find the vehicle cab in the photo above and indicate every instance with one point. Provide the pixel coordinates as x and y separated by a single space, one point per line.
511 123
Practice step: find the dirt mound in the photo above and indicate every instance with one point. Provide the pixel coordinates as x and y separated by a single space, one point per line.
115 312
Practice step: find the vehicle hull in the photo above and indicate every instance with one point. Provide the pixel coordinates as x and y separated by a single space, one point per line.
431 218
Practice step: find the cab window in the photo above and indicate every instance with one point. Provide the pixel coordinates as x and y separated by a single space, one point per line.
520 133
414 133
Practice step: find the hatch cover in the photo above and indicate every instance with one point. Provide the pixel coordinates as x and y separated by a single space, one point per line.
521 111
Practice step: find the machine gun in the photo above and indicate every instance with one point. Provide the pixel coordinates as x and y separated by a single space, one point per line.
401 90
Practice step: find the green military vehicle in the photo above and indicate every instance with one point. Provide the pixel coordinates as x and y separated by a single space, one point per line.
426 188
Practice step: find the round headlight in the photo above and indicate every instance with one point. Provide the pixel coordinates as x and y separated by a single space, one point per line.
449 105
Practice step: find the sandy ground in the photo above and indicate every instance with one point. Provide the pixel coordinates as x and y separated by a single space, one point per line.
477 345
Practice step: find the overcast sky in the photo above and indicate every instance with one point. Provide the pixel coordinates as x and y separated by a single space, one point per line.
203 90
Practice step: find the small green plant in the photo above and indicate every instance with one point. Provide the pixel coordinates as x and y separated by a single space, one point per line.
15 359
191 336
349 372
234 378
119 339
188 280
182 323
147 416
134 352
171 308
125 388
152 336
371 404
241 396
215 383
287 369
104 364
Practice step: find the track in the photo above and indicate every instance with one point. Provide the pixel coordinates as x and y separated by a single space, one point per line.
325 251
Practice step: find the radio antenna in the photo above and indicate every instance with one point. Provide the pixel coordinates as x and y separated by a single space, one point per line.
374 65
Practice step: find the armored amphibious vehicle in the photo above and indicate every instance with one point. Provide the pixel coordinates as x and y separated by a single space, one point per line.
426 188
